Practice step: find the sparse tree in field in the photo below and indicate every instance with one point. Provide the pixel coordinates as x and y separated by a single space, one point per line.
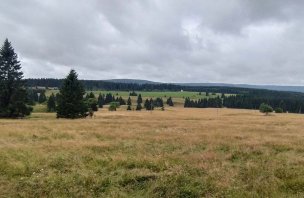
278 110
147 104
51 103
133 93
139 99
170 102
92 103
151 104
42 97
129 102
158 102
265 108
138 107
71 103
121 101
101 101
113 106
109 98
91 95
13 95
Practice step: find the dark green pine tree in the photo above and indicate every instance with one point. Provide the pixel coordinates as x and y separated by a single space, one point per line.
42 97
13 95
147 104
129 102
138 107
92 103
101 101
170 102
129 108
91 95
71 103
139 99
51 104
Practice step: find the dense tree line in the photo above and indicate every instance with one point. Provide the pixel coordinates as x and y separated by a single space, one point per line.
113 86
109 98
287 104
204 103
281 103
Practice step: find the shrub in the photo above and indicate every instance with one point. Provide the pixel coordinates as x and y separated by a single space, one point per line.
278 110
113 106
265 108
92 103
133 93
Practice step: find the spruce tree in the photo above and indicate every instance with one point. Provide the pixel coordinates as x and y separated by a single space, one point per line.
91 95
129 102
139 99
42 97
101 101
129 108
51 104
71 103
13 95
147 104
138 107
170 102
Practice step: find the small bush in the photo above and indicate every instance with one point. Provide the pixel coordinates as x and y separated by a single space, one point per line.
278 110
113 106
265 108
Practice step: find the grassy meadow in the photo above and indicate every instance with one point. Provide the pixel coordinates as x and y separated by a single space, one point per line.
178 97
174 153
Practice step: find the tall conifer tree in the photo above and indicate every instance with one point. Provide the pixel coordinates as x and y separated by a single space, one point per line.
51 104
13 96
71 103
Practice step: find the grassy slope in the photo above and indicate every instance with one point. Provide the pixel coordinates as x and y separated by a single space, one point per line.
176 153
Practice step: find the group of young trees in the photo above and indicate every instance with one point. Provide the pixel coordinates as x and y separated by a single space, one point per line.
109 98
150 104
216 102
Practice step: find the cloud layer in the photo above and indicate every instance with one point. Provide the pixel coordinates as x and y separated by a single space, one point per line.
238 41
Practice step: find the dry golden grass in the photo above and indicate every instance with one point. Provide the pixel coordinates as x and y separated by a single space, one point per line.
174 153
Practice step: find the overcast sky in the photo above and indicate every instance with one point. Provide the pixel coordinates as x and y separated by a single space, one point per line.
235 41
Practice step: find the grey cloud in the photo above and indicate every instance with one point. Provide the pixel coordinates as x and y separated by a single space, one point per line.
238 41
